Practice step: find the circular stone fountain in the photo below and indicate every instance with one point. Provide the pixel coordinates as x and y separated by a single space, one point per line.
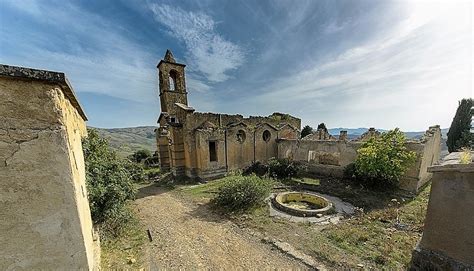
302 204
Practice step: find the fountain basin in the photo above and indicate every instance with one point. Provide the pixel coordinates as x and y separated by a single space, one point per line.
302 204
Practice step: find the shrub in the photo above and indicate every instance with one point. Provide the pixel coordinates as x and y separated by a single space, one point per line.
256 168
153 172
282 168
349 171
140 155
383 160
109 185
240 193
136 171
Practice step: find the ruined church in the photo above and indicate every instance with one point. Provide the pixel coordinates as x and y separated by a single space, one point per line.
208 145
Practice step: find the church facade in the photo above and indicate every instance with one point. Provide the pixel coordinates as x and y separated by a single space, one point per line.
208 145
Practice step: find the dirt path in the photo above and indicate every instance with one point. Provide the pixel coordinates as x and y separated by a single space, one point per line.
189 237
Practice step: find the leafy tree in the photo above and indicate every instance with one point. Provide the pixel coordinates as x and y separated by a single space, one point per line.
140 155
109 185
381 161
306 131
459 135
322 126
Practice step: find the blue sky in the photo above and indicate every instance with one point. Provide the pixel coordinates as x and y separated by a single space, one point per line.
347 63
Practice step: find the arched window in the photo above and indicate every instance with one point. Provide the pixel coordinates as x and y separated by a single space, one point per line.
266 136
172 80
241 136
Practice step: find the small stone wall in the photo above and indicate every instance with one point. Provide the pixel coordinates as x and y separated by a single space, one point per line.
45 218
448 236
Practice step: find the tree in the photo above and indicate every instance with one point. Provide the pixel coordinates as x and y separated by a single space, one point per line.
322 126
381 161
306 131
140 155
109 185
459 135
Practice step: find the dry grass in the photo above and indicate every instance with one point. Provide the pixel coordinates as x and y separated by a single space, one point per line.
128 251
381 238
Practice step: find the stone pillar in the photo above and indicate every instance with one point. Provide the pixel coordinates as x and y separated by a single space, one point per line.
448 237
343 135
45 221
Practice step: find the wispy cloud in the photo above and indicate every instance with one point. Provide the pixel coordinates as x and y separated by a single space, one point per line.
409 72
208 52
92 51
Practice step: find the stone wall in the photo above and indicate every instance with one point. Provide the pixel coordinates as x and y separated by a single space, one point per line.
330 157
239 141
45 218
448 236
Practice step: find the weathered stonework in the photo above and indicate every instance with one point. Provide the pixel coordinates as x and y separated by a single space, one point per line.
45 218
208 145
448 235
330 156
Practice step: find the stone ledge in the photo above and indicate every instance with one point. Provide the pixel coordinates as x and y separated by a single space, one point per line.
44 76
424 259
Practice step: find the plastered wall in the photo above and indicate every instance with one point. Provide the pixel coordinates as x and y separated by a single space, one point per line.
330 157
448 237
45 220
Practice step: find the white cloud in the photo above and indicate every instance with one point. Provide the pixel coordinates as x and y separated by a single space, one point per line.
95 55
411 76
208 52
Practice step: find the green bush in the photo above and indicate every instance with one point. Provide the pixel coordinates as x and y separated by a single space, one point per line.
282 168
241 193
153 172
109 185
256 168
140 155
382 161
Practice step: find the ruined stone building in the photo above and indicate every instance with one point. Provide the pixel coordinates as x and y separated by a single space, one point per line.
207 145
328 155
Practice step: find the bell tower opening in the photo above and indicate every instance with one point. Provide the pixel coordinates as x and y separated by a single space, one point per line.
172 80
172 84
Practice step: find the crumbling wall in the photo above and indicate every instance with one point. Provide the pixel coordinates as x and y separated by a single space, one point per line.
240 141
330 157
46 220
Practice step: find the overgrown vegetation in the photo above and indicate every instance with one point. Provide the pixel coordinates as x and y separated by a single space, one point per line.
306 131
459 135
242 193
275 168
382 236
140 155
109 184
381 161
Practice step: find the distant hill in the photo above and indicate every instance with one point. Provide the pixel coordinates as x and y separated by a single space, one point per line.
129 140
356 132
126 141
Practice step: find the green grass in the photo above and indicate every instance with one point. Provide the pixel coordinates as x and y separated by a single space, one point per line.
127 251
202 191
306 180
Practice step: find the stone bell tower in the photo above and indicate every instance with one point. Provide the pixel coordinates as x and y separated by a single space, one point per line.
172 84
174 109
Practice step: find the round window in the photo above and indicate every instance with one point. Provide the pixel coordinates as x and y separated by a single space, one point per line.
266 135
241 136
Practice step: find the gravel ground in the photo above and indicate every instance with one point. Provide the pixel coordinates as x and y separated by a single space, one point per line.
187 236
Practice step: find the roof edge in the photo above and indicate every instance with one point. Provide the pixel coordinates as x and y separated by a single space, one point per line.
45 76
